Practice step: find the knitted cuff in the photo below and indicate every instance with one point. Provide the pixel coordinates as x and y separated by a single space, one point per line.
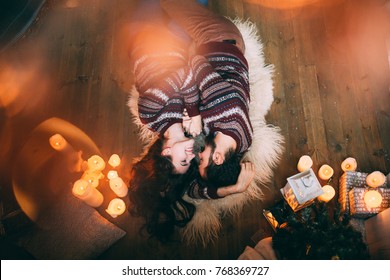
212 193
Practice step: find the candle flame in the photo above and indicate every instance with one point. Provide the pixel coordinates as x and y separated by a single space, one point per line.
114 160
373 199
57 142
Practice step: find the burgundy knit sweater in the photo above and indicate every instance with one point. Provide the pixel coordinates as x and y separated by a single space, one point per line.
221 73
166 85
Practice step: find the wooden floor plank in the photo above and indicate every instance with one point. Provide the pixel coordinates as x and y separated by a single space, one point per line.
331 97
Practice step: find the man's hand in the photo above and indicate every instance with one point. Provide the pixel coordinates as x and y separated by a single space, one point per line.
243 181
245 178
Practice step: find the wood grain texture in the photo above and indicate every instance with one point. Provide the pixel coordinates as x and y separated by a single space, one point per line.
331 90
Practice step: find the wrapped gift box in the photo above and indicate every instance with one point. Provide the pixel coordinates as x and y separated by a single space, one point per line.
349 180
301 189
358 208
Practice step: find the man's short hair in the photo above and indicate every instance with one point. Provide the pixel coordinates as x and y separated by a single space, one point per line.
226 173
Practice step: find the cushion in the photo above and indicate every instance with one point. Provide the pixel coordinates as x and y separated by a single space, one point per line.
72 230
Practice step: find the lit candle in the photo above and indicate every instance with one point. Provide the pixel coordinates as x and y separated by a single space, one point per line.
92 177
112 174
349 164
84 191
328 194
58 142
375 179
118 186
116 207
114 160
372 199
305 162
325 172
95 162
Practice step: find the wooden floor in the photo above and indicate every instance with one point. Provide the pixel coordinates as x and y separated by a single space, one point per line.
331 90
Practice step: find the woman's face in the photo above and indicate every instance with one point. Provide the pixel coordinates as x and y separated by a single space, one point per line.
181 153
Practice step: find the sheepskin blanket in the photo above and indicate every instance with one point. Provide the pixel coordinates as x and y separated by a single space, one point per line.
265 152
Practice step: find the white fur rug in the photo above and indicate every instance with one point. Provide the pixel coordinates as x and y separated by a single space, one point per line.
266 150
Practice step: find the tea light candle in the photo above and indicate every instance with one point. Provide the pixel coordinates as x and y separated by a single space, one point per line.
112 174
349 164
92 177
58 142
328 194
375 179
95 162
305 163
325 172
372 199
116 207
118 186
84 191
114 160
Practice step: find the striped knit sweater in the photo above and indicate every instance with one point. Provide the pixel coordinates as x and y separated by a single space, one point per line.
221 72
165 84
222 76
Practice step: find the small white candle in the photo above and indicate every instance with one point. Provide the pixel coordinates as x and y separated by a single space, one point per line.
349 164
305 163
95 162
118 186
114 160
328 194
325 172
375 179
372 199
84 191
58 142
112 174
116 207
92 177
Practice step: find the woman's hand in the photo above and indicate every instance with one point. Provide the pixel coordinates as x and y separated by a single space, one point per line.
192 125
186 121
196 126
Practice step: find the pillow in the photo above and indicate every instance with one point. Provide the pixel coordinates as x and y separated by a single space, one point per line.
72 230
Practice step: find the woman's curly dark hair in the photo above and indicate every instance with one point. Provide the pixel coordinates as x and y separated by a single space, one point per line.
316 233
156 193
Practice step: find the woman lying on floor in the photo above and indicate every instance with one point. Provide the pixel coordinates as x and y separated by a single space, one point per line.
167 85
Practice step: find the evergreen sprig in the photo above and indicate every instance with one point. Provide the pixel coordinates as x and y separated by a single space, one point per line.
316 232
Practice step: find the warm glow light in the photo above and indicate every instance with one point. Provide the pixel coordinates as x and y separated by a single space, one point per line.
114 160
325 172
349 164
118 187
116 207
92 177
18 84
375 179
80 188
72 3
328 194
112 174
305 162
84 191
58 142
95 162
372 199
294 4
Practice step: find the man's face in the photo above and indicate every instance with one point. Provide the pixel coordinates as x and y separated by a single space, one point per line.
204 158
